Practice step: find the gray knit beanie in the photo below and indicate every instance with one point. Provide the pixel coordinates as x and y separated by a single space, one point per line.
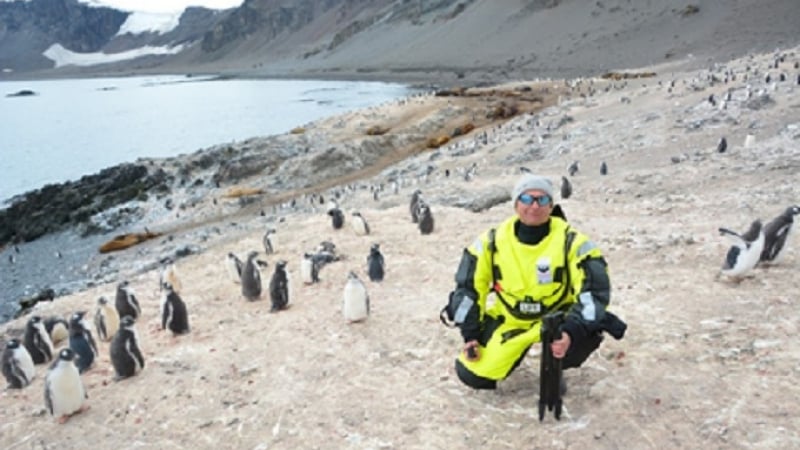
529 181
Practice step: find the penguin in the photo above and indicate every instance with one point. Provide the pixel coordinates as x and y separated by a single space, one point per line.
57 328
355 305
81 342
251 278
106 320
573 168
425 219
359 224
18 368
337 218
279 287
745 252
174 315
603 168
566 188
722 145
234 266
269 241
375 263
169 274
326 247
413 207
309 268
64 392
777 233
126 302
126 357
37 341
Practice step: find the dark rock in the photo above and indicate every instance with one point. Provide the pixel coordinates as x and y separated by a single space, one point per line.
481 201
22 93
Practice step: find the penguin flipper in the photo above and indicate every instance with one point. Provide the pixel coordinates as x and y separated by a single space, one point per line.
735 237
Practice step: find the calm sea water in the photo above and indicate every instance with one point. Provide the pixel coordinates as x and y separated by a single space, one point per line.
78 127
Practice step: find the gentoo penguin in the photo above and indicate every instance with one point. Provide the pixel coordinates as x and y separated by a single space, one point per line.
57 328
337 218
64 392
326 247
375 263
355 306
169 274
81 342
722 145
106 320
37 341
279 287
126 302
777 233
413 207
566 188
234 266
359 224
425 219
269 241
126 357
309 269
573 168
17 365
603 168
745 252
174 315
251 278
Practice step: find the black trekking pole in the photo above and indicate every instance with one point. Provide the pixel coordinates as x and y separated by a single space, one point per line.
550 367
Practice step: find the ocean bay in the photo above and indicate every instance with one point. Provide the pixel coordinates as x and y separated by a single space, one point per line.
76 127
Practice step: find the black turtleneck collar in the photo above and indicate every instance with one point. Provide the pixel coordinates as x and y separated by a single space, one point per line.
531 235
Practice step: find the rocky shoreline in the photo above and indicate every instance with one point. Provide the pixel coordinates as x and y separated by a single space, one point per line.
189 199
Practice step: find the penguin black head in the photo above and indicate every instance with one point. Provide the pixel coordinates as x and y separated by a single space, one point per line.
793 210
76 317
34 320
127 321
252 254
167 286
280 265
123 284
352 275
66 354
102 301
375 247
13 344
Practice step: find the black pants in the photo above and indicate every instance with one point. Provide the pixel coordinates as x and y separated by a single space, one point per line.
578 352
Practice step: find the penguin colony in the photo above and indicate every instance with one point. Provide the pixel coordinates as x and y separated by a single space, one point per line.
65 393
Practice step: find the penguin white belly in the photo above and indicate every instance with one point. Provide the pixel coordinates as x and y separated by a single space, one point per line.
355 303
66 390
748 258
306 270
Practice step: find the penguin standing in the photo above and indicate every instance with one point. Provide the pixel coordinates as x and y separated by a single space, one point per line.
269 241
359 224
425 219
603 168
18 368
566 188
279 287
337 218
37 341
234 266
251 278
355 306
126 357
174 315
309 269
57 328
777 233
745 252
106 320
413 206
126 302
375 263
573 168
64 392
722 145
81 342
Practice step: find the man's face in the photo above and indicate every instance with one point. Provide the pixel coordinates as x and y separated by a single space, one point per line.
533 207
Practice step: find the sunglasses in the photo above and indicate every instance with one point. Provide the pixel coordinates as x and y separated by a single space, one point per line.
528 199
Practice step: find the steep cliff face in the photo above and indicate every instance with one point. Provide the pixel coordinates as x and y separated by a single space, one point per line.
29 28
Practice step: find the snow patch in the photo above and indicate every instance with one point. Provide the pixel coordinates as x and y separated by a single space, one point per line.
143 22
63 57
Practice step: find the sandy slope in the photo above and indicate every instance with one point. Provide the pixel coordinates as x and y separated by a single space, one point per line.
706 363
